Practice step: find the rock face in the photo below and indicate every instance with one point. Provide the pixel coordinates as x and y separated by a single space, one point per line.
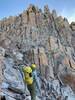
2 53
43 38
73 33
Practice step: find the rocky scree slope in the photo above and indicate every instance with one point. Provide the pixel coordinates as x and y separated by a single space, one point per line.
43 38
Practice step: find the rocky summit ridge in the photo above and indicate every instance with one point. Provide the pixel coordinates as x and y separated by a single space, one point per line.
43 38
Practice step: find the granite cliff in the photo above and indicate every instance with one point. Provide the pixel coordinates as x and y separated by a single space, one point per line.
40 37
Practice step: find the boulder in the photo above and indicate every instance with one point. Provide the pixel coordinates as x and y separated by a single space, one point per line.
2 51
18 55
13 76
72 63
67 93
72 26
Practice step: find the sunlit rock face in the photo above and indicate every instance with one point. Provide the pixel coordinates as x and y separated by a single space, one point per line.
40 37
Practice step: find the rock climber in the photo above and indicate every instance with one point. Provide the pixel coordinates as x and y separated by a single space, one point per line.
32 80
28 79
36 80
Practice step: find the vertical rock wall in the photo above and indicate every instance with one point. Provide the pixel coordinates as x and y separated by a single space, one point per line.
44 37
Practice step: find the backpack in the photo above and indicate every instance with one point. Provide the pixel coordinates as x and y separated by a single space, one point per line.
28 75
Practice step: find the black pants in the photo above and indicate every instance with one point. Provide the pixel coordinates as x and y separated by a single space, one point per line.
32 91
3 98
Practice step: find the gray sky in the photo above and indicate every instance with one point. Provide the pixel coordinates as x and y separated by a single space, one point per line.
65 8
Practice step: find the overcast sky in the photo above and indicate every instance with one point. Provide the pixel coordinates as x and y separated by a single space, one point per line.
65 8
